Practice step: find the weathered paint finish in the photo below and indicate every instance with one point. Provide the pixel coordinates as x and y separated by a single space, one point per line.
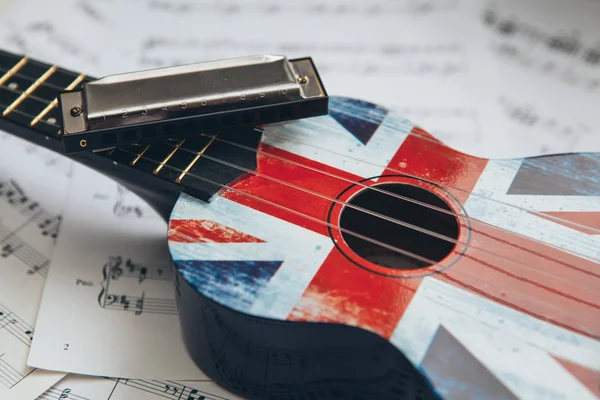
518 295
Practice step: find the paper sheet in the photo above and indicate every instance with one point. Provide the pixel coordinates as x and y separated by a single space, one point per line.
470 79
88 388
29 223
111 281
419 57
548 54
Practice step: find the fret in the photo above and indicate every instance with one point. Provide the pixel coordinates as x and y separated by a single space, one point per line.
28 101
17 89
27 109
140 155
166 160
13 70
194 161
29 90
54 102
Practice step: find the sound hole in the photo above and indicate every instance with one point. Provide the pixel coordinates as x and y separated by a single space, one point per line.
415 245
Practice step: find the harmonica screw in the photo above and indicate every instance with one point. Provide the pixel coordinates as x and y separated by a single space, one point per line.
303 79
76 111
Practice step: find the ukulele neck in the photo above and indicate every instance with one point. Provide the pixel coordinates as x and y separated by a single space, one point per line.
198 165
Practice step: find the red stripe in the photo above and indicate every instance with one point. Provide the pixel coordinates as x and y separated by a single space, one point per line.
278 198
424 156
585 222
206 231
541 287
514 306
345 293
588 377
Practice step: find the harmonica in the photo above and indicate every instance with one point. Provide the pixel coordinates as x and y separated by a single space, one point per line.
146 106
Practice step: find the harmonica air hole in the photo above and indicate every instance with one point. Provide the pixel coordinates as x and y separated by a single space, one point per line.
229 120
248 118
109 138
189 127
286 112
149 133
267 116
209 123
170 129
129 135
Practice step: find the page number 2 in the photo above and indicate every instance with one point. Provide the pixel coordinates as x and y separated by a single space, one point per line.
66 346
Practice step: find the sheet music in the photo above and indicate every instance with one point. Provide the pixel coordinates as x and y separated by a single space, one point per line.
548 53
412 54
114 284
496 79
29 225
78 387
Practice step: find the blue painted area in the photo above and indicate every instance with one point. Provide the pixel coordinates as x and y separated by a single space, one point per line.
559 175
234 283
360 118
471 381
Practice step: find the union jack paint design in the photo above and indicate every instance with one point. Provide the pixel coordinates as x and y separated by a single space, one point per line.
513 312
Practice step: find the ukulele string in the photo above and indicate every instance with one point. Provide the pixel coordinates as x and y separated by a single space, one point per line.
444 185
374 241
31 96
389 219
407 225
421 137
30 80
457 273
395 221
385 192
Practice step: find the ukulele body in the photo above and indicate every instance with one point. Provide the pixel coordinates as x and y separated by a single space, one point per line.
354 256
365 259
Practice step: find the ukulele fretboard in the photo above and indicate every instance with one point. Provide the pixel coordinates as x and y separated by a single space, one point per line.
198 164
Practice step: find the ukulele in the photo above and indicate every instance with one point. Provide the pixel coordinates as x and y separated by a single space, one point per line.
354 256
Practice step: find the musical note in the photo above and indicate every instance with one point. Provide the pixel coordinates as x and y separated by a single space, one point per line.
123 210
442 60
16 326
124 302
114 266
334 8
134 270
115 271
11 245
560 55
169 387
50 226
8 249
562 131
64 394
139 305
15 196
142 303
192 397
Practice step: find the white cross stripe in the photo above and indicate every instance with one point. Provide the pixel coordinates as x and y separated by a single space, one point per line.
511 344
490 205
339 148
301 250
498 176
